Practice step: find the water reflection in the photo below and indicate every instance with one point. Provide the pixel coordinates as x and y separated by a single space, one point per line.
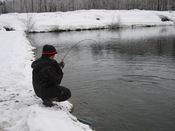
123 82
132 41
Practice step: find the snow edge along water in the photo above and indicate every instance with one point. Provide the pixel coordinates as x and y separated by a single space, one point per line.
20 109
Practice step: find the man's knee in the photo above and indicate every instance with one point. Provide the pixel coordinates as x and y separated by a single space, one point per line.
66 93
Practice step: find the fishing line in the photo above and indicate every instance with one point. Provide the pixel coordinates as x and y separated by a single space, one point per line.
79 43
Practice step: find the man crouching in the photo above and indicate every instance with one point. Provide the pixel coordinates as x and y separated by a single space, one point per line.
46 77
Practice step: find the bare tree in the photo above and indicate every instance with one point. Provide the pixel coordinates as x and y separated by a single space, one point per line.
3 7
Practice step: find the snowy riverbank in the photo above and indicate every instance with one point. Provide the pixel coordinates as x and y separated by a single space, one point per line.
86 19
20 109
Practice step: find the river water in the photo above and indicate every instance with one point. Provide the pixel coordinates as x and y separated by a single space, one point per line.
121 80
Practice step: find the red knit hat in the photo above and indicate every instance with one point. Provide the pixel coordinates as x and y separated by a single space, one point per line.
49 50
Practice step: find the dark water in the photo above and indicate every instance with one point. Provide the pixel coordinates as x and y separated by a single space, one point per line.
126 82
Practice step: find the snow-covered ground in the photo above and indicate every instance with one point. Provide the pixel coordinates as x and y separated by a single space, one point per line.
85 19
20 109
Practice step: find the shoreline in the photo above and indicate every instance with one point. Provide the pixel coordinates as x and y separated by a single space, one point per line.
81 20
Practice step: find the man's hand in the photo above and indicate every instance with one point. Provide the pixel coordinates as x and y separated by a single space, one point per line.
62 64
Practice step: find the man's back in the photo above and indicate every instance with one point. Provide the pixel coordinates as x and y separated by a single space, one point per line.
46 73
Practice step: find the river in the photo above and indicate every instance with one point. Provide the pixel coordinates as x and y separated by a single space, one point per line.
121 80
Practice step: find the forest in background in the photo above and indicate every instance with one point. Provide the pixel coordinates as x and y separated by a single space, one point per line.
26 6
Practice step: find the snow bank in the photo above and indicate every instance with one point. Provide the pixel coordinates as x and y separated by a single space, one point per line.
39 118
20 109
86 19
11 22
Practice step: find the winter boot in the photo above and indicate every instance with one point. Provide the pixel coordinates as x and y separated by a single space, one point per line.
47 103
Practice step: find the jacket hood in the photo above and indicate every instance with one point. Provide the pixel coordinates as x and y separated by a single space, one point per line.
37 64
42 62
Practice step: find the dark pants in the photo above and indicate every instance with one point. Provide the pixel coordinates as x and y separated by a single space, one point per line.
55 93
63 94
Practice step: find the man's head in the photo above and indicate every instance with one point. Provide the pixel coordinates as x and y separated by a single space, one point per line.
49 51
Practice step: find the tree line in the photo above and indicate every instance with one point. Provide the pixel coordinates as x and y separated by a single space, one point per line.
26 6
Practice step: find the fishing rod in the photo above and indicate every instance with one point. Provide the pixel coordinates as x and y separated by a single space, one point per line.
77 44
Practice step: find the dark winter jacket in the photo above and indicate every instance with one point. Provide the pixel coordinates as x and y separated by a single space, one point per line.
47 75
